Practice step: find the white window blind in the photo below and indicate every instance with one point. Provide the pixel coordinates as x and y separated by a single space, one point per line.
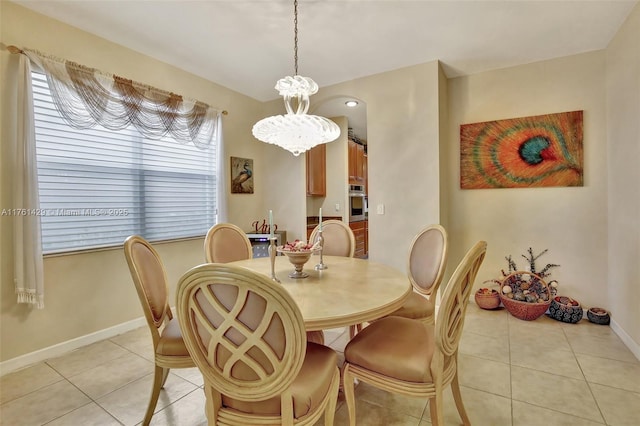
99 186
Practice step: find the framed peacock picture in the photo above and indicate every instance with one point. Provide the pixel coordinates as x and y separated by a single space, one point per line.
241 175
541 150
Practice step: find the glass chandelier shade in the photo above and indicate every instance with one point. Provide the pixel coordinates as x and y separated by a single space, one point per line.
296 131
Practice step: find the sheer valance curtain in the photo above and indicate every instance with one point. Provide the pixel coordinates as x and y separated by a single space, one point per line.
85 97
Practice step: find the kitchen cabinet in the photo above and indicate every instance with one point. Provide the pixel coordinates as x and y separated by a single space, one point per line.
360 233
365 165
366 237
356 163
317 171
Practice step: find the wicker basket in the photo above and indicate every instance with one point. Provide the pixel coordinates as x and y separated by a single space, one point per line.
487 301
562 309
524 310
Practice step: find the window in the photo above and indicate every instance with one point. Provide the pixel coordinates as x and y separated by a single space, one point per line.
99 186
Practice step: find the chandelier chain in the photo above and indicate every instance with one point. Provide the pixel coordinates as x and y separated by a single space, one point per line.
296 131
295 35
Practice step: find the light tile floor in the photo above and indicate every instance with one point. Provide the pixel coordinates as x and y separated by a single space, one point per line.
512 372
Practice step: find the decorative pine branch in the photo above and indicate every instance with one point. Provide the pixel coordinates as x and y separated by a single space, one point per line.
511 263
544 273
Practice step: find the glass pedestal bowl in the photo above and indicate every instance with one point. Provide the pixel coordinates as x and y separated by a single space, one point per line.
297 258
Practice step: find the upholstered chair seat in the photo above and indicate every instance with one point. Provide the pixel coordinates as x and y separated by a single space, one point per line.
408 357
308 389
397 347
171 342
416 307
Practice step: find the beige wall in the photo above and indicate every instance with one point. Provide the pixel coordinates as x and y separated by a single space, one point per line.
403 150
93 291
337 177
570 222
403 131
623 153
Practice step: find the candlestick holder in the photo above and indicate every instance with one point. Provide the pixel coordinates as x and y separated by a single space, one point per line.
272 257
320 266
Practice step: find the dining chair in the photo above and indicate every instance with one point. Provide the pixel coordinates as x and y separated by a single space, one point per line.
338 238
426 264
225 242
150 280
247 337
416 359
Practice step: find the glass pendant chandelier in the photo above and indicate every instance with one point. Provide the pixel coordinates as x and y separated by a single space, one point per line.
296 131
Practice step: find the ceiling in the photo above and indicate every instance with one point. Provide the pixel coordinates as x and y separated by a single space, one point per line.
248 45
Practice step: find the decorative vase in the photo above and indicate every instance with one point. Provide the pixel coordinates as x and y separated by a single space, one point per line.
487 299
598 316
298 260
565 309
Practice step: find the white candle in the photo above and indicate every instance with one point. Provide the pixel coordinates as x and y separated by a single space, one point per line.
271 223
320 219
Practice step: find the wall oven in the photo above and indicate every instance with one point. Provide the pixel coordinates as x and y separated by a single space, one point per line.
357 203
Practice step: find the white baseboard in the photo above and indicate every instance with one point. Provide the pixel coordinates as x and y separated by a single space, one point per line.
40 355
626 339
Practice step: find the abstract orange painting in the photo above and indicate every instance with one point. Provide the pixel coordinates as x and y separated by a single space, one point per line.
541 150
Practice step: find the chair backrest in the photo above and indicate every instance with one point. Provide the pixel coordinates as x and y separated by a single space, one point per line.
225 242
338 238
245 334
453 305
427 259
150 280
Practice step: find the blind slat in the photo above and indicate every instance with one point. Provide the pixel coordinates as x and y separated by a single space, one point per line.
98 186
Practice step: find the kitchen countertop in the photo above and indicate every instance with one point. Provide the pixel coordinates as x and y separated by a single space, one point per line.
312 221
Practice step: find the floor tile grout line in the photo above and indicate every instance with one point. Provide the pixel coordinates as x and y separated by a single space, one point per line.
82 406
95 400
510 370
76 373
197 389
583 375
597 405
608 358
557 411
510 328
62 378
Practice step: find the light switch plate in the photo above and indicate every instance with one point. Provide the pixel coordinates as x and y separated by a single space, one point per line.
337 207
380 209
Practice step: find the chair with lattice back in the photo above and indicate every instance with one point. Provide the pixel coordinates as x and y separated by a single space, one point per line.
416 359
247 337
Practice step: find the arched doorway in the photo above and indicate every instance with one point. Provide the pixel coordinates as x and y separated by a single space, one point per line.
346 169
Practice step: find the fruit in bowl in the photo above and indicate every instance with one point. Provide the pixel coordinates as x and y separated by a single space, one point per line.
298 246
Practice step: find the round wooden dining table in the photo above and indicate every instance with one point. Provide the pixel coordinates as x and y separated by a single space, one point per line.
351 291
